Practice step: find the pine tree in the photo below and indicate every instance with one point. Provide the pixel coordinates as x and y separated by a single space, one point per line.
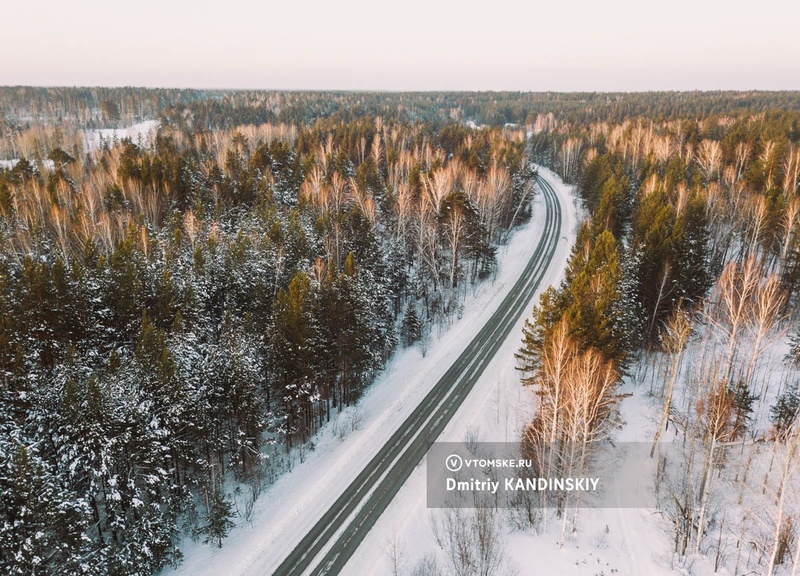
794 350
42 523
536 330
293 356
218 521
690 252
355 331
653 223
743 402
411 330
614 206
670 250
785 410
594 297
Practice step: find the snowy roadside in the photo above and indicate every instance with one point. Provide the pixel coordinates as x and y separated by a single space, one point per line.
496 410
287 509
610 541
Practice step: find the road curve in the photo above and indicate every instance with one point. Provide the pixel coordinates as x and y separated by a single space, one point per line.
354 513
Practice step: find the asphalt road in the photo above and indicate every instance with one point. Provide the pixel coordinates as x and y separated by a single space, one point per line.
350 518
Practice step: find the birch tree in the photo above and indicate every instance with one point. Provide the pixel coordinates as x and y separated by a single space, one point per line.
675 337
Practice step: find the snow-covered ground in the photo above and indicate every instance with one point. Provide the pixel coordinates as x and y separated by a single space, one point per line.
626 541
609 541
288 508
9 164
743 530
142 132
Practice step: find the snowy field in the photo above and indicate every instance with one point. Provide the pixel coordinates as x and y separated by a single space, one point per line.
288 508
9 164
141 133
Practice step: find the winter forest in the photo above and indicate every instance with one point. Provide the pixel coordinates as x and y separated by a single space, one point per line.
194 283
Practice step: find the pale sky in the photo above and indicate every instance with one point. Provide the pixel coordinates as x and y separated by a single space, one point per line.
561 45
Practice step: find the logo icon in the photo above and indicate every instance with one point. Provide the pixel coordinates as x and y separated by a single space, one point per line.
454 462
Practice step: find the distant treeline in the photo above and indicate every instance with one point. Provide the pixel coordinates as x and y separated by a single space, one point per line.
95 107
